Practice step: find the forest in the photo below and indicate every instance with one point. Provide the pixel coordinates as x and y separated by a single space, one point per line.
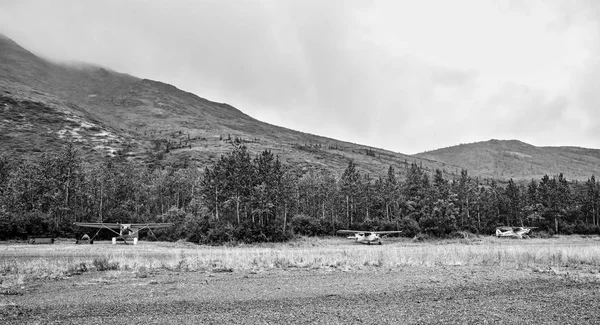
244 198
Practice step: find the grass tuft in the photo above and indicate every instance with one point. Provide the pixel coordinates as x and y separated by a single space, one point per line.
103 264
77 269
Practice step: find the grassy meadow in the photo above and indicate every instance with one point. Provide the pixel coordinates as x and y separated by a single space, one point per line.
20 263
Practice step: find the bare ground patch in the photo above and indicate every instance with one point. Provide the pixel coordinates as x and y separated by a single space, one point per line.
552 281
409 295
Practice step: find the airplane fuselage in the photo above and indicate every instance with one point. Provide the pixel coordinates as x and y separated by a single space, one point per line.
127 232
518 233
366 238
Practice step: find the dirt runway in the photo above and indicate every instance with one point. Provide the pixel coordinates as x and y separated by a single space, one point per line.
410 295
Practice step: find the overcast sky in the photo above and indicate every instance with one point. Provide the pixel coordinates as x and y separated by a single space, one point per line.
408 76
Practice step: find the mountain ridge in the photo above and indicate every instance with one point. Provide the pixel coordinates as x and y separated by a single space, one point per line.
519 160
43 104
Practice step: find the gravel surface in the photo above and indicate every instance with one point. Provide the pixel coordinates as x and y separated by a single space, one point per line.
411 295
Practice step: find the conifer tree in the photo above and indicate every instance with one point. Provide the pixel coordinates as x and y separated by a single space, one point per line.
593 198
391 193
349 187
513 195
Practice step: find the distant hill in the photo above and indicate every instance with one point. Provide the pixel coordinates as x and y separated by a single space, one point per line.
505 159
43 104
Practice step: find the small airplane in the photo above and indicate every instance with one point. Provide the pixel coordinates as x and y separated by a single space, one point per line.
367 237
513 232
125 230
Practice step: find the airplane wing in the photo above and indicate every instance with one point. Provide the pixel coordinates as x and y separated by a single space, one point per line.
118 225
371 232
98 225
150 225
386 232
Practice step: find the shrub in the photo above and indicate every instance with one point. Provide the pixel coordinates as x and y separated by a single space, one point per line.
186 225
103 264
307 226
219 233
566 228
541 234
329 227
77 269
409 227
248 232
273 233
583 229
438 226
194 227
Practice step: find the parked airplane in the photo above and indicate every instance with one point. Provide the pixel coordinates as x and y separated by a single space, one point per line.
125 230
367 237
513 232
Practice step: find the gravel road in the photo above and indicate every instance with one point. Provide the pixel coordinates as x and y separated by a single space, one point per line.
411 295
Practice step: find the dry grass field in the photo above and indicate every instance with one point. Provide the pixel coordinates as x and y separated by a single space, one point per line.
32 262
329 280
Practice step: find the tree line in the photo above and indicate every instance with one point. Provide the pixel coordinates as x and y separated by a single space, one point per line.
258 198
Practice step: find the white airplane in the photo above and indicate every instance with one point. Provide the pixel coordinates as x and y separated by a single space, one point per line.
367 237
513 232
126 230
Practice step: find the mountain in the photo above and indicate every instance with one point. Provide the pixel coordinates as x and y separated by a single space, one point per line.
505 159
44 104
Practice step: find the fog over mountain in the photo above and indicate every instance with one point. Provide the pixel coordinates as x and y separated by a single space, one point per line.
402 75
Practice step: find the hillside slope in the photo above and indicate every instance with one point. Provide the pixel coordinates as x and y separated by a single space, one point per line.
44 104
507 159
